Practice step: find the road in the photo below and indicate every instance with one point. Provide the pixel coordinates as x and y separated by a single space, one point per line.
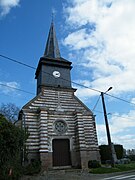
78 175
123 176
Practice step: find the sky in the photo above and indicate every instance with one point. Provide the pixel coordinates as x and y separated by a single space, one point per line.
97 36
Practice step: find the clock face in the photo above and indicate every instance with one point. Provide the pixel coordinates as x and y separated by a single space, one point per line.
56 74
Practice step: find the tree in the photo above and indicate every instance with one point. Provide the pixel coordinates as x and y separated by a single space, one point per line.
11 144
10 111
119 151
105 152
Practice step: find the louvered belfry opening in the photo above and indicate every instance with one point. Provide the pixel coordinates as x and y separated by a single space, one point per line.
61 152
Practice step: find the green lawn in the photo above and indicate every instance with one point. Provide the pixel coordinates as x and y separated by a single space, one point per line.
117 168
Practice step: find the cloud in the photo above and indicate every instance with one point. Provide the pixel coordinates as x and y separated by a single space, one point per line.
126 119
7 5
102 36
82 92
133 100
121 129
8 87
107 40
126 140
80 39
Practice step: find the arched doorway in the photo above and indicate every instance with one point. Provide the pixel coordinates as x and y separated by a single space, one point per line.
61 152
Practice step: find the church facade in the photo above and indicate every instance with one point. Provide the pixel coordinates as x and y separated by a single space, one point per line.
62 131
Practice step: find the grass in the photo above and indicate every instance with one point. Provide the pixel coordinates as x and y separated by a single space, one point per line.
126 167
117 168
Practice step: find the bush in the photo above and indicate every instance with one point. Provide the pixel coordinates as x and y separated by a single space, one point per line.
106 155
11 170
125 161
131 157
11 143
33 168
93 164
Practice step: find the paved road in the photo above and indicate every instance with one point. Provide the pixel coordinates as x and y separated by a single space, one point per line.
78 175
123 176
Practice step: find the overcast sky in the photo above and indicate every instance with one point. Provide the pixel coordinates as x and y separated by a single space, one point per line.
98 36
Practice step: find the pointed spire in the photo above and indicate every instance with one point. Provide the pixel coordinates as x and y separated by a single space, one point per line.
52 47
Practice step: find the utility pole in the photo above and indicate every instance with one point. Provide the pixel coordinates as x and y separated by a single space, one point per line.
107 128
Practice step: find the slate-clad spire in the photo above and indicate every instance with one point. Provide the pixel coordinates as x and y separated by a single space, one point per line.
52 47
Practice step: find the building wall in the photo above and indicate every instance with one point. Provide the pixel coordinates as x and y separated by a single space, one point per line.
53 105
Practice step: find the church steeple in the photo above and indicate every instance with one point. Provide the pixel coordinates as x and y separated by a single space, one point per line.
52 47
53 70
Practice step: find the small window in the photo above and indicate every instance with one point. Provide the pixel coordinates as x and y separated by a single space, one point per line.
60 127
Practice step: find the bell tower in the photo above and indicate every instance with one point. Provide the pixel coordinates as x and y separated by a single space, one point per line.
53 70
62 131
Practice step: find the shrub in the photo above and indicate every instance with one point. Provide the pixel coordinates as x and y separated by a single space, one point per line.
125 161
131 157
106 155
33 168
93 164
11 143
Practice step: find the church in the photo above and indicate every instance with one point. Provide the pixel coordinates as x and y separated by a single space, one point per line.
61 128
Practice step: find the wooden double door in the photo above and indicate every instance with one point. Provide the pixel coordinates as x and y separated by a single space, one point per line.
61 152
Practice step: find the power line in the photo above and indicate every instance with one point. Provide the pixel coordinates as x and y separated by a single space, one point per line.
92 110
10 95
120 99
96 103
18 62
112 114
16 88
29 66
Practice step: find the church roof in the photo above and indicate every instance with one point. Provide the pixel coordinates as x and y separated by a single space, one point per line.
52 47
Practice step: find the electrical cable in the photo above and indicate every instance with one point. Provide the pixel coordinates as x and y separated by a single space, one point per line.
92 110
16 88
112 114
96 103
120 99
29 66
18 62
